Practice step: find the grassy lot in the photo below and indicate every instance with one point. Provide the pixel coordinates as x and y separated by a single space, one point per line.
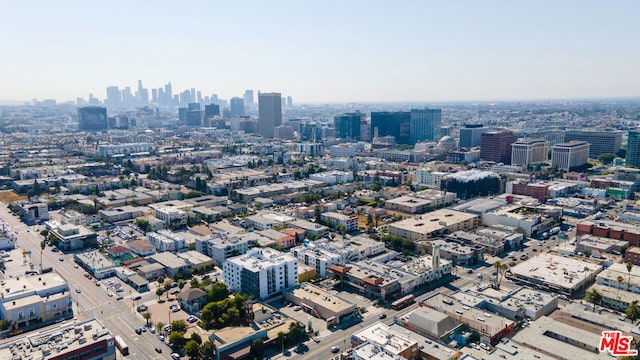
9 196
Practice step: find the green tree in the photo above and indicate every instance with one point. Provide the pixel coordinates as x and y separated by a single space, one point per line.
281 337
159 326
620 280
208 350
629 267
606 158
196 337
257 348
192 349
177 338
179 326
193 194
159 291
633 311
160 280
594 297
501 269
147 316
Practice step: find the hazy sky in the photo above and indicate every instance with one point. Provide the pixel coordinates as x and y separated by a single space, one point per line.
323 51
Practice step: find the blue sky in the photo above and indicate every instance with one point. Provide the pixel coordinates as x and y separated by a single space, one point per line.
324 51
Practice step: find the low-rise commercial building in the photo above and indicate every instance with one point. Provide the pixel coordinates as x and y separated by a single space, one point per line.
321 303
380 335
29 302
426 226
422 202
555 273
492 327
173 264
87 339
559 340
74 237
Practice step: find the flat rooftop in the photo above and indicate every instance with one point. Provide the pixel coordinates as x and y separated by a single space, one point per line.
41 283
322 297
433 221
383 336
55 340
566 272
491 324
559 340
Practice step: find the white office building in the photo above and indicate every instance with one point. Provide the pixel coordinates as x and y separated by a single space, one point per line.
428 178
529 151
570 154
262 272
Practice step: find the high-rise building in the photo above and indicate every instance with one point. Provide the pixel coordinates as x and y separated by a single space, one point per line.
114 96
470 135
261 272
168 95
601 141
495 145
570 154
211 110
236 107
248 99
154 96
396 124
289 101
269 113
348 126
194 118
92 118
529 151
633 149
425 124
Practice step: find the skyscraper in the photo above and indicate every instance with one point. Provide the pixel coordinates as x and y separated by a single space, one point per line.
114 96
168 94
236 107
470 135
396 124
348 125
248 99
496 146
92 118
211 110
633 149
425 124
269 113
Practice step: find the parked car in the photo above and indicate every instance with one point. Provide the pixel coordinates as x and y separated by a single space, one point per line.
335 349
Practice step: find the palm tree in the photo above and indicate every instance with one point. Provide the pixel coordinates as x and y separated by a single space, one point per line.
42 246
620 280
594 297
159 326
633 311
147 316
501 269
281 336
629 267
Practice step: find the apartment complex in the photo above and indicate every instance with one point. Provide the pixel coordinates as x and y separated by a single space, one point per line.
262 272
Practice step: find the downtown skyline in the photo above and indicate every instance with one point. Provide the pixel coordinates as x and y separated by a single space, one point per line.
325 53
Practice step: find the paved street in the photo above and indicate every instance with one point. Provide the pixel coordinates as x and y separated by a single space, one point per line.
119 316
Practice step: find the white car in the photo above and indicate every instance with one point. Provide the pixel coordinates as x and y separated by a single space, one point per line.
175 356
